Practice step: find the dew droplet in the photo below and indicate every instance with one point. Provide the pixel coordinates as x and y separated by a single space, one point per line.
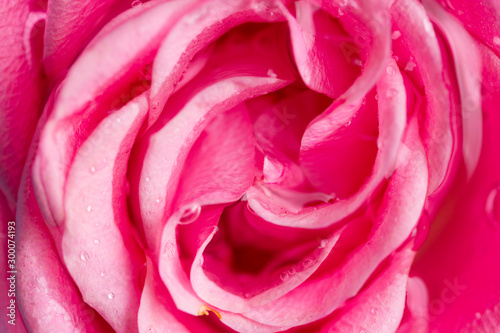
96 241
89 208
323 243
390 70
271 73
136 3
396 34
292 271
410 66
391 93
373 311
189 213
84 256
92 169
308 262
341 13
348 123
147 179
111 296
169 248
284 276
157 200
102 274
357 62
493 205
119 120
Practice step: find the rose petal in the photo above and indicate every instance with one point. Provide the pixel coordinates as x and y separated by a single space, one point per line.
410 17
379 307
400 211
166 153
196 30
464 294
468 70
392 120
416 318
317 42
21 89
98 244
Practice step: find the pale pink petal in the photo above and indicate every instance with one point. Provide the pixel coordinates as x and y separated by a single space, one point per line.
411 19
379 307
21 89
468 70
98 244
416 317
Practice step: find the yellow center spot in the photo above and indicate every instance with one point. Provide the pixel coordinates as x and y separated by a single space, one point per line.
203 311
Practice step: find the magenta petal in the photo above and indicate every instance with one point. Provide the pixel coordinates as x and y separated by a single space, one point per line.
21 89
98 243
464 293
400 212
379 307
410 17
166 153
317 41
69 25
468 71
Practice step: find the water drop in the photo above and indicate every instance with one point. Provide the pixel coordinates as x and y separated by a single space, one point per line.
284 276
308 262
357 62
111 296
189 213
396 58
102 274
373 311
391 93
119 120
157 200
136 3
292 271
271 73
323 243
410 66
348 123
84 256
493 205
96 241
390 70
92 169
89 208
341 13
147 179
169 249
396 34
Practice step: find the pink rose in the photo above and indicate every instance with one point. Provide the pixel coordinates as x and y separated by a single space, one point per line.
250 166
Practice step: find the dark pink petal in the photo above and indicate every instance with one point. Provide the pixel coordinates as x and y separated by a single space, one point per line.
468 70
392 120
91 88
400 211
459 264
480 18
7 237
317 41
21 89
168 148
379 307
410 17
69 26
98 244
195 31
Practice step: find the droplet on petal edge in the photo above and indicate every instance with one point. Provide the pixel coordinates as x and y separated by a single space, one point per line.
421 232
84 256
189 213
111 296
